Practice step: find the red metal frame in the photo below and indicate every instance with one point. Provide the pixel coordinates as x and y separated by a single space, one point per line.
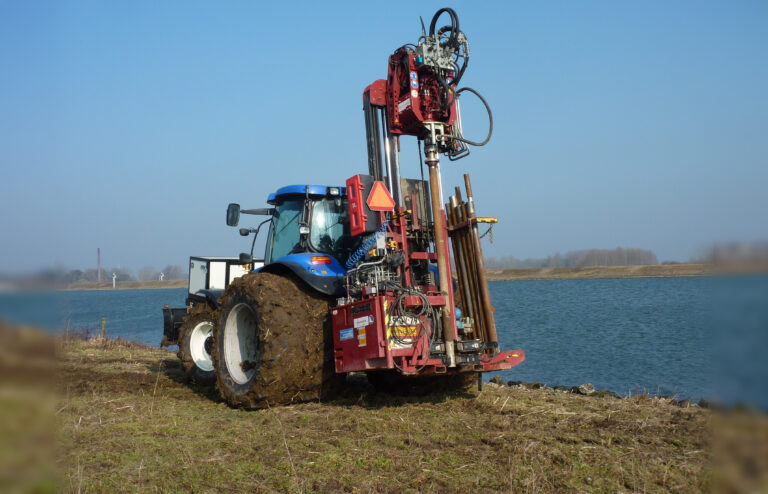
360 329
413 96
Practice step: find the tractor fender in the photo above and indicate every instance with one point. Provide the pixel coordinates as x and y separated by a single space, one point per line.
210 297
328 279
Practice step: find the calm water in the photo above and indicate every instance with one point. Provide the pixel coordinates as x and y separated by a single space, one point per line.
688 337
135 315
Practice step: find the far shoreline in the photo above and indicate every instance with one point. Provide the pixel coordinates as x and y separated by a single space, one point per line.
508 274
125 285
603 272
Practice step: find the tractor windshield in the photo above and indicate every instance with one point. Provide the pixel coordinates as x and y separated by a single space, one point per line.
284 235
330 228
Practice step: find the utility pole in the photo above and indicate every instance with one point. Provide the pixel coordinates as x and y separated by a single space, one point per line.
98 264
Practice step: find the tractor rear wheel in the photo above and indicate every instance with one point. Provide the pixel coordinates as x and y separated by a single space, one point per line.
195 344
273 344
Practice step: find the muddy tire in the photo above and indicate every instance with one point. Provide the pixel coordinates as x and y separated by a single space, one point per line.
394 383
195 345
273 344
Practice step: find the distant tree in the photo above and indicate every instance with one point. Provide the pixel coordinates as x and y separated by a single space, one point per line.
174 272
148 273
90 275
123 274
74 275
592 257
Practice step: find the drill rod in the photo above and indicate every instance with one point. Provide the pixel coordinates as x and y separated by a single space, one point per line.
482 279
468 248
460 259
430 150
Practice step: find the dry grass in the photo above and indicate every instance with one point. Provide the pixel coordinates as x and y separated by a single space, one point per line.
121 419
127 422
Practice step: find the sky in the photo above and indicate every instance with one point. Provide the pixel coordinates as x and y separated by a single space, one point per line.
130 126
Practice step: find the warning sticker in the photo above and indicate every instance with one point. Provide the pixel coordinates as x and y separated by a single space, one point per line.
361 339
414 94
403 105
361 322
346 334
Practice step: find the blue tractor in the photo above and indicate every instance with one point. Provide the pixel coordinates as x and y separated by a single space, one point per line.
307 236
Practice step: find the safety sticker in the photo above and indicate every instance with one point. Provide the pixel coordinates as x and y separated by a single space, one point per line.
414 94
363 321
346 334
414 76
414 84
361 340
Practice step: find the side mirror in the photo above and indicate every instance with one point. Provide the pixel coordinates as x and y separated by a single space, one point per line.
233 214
245 258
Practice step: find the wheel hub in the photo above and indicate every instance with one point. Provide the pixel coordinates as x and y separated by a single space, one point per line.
241 344
199 348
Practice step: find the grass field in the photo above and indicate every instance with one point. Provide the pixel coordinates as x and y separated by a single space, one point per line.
123 420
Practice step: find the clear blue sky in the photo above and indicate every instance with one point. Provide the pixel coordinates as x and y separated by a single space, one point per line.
130 125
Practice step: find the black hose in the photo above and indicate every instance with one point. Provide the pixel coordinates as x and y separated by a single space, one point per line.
490 119
454 24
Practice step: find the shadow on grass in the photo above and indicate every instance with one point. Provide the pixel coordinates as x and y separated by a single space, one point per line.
358 391
171 368
355 391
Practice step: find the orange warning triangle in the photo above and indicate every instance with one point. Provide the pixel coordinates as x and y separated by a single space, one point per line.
379 198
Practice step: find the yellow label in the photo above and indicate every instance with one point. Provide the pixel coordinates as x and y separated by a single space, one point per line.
405 331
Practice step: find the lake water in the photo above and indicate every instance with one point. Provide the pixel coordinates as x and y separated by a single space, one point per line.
698 337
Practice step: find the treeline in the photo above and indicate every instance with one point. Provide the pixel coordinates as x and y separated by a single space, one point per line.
592 257
734 252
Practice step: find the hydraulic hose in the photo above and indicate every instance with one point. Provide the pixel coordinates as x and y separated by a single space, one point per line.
367 245
490 119
454 24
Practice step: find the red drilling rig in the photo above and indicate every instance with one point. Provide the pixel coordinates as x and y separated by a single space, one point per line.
398 313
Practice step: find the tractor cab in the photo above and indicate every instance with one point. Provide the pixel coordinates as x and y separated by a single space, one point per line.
308 234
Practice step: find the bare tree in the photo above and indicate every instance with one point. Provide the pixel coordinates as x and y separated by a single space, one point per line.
592 257
174 272
148 273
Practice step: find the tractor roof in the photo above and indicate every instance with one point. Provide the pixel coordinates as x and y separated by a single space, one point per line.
301 190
